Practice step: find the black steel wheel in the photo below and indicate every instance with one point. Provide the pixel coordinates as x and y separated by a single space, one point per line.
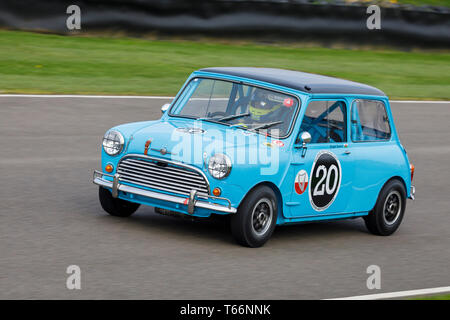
386 216
114 206
255 220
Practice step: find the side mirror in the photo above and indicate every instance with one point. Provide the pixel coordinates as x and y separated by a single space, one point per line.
305 137
165 107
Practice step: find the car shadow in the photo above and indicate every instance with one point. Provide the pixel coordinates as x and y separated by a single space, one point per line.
320 228
217 228
214 229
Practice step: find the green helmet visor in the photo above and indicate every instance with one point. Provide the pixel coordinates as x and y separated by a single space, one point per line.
262 112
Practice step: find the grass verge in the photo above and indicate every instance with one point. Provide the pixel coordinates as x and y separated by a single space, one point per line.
436 297
43 63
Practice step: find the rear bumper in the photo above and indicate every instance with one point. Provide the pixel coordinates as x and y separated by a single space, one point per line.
191 202
412 193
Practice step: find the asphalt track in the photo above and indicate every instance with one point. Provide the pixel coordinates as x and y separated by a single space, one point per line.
50 218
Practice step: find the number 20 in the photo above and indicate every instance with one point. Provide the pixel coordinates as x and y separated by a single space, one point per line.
325 187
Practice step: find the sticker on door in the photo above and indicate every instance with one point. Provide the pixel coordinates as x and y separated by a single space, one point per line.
301 181
325 180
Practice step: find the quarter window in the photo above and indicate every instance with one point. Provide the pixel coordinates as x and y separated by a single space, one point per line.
369 121
325 121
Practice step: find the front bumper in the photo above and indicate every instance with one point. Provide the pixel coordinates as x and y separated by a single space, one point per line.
192 201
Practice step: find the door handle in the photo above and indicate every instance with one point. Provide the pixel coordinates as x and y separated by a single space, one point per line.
347 152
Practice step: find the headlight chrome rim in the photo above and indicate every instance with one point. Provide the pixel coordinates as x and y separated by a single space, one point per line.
219 166
113 142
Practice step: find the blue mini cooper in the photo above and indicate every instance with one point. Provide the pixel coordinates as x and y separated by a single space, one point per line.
267 147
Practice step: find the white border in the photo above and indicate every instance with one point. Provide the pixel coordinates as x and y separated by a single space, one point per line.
397 294
419 101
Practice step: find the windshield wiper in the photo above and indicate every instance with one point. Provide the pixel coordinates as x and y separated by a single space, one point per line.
227 118
267 125
208 119
234 116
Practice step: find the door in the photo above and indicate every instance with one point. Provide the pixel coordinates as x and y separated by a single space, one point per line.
323 171
373 149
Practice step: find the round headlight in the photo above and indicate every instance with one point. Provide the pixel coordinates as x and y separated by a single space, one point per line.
219 166
113 142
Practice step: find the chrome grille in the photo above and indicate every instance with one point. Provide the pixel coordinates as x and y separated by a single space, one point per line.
161 175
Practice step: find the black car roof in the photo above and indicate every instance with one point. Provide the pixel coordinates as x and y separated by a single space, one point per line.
302 81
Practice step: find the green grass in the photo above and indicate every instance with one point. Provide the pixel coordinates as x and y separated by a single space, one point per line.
437 3
438 297
42 63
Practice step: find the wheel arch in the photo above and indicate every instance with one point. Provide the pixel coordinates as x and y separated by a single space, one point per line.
398 178
275 189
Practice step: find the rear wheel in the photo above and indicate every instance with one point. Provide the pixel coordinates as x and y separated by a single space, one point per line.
114 206
256 218
386 216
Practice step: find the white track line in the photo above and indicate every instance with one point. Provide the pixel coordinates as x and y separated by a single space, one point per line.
81 96
419 101
155 97
398 294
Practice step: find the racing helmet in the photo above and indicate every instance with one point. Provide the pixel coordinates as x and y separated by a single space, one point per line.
261 105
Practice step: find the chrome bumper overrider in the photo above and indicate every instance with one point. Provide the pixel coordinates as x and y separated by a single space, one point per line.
413 192
192 202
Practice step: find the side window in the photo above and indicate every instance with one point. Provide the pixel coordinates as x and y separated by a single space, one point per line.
325 121
369 121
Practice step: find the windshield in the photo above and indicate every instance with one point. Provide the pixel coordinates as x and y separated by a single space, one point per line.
236 104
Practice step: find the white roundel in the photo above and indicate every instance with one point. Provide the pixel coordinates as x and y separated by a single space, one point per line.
301 181
326 177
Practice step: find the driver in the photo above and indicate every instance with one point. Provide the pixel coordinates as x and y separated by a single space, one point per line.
266 107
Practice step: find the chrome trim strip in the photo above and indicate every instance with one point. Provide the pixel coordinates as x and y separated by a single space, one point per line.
192 201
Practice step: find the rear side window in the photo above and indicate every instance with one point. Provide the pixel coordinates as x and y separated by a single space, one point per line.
369 121
325 121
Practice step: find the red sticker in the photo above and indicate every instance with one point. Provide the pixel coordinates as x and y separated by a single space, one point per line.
288 102
301 181
279 143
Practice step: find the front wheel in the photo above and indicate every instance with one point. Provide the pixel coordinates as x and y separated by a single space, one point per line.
256 218
386 216
114 206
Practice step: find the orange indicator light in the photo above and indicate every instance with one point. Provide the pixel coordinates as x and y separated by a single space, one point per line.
217 192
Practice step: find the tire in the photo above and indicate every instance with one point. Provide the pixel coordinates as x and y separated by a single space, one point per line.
256 218
386 216
114 206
